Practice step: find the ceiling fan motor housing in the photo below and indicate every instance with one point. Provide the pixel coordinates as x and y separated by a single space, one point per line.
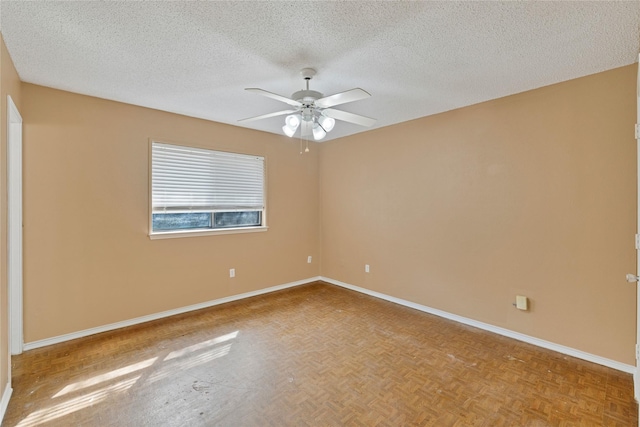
307 113
306 96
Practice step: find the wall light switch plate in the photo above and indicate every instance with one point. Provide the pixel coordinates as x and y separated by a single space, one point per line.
522 303
309 258
232 272
366 268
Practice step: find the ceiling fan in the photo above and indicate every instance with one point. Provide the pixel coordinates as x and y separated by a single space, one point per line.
312 111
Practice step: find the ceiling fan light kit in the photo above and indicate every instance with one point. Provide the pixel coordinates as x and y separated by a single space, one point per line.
289 131
313 112
327 123
291 124
293 121
318 132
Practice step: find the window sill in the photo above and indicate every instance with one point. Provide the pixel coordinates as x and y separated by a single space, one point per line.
197 233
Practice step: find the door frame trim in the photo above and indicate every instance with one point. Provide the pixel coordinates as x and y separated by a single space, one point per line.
636 374
14 227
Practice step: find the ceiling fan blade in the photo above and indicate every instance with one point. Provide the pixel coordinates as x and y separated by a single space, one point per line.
305 128
266 116
342 98
349 117
275 96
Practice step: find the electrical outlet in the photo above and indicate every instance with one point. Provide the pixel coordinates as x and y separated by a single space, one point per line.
232 272
522 302
366 268
309 259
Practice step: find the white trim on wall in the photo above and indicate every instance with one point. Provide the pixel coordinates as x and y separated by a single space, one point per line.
491 328
14 227
636 375
4 402
110 327
460 319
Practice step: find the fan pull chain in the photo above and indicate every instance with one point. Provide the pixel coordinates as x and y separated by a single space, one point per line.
306 150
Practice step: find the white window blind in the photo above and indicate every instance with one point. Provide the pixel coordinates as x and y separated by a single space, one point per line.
186 179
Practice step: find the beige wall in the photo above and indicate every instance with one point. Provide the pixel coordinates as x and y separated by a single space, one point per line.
532 194
9 85
88 260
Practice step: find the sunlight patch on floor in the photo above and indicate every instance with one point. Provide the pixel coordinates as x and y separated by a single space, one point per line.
176 361
105 377
188 363
201 345
77 403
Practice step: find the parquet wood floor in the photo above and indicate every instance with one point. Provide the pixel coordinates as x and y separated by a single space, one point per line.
314 355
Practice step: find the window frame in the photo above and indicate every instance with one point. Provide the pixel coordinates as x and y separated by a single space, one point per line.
179 233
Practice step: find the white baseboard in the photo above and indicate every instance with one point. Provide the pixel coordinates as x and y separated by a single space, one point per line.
84 333
4 402
491 328
481 325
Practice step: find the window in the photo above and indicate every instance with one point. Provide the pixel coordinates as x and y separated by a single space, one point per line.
194 190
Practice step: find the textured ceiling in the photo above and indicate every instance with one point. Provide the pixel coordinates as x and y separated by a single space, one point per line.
415 58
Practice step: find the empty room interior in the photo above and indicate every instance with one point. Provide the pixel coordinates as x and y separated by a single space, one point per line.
426 214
